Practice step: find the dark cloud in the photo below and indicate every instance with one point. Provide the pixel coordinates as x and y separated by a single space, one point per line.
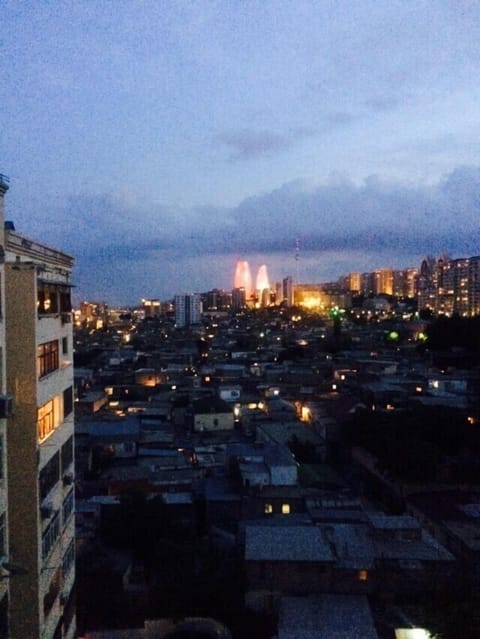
381 220
246 144
338 215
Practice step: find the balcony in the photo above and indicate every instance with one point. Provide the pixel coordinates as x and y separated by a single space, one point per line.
23 246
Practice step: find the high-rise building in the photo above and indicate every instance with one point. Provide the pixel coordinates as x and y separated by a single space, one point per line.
262 286
410 282
368 282
188 309
151 308
450 286
40 448
354 282
243 278
5 409
288 291
239 300
383 282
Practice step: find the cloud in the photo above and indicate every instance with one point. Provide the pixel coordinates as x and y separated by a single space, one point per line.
145 245
246 144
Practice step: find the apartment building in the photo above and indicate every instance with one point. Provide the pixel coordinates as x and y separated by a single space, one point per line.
38 369
5 408
188 309
450 286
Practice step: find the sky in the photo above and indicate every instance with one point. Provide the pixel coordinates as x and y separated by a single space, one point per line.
159 141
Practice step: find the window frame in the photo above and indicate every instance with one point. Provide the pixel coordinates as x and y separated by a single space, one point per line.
48 358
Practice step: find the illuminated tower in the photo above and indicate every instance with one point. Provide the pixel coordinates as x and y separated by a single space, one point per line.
243 278
262 286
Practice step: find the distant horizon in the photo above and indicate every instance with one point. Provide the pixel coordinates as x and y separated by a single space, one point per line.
226 289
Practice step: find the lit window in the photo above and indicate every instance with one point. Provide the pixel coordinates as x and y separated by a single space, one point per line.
47 357
46 421
285 509
268 509
363 575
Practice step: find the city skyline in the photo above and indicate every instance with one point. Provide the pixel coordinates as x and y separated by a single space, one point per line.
158 143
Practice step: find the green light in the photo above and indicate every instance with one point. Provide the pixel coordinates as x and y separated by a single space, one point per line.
422 337
393 336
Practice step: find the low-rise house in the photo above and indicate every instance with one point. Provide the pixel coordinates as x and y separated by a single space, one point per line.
325 617
211 414
384 555
285 560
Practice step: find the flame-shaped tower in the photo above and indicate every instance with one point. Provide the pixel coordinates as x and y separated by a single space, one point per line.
243 277
262 287
262 282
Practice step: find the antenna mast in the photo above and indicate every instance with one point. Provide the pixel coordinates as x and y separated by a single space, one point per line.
297 258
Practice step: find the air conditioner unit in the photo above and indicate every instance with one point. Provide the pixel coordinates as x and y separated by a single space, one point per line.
6 405
68 479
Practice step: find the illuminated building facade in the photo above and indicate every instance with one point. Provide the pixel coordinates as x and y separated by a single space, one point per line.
262 287
383 282
188 309
243 278
40 448
354 282
320 299
151 308
449 286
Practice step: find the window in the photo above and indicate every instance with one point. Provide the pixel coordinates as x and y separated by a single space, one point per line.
2 462
2 534
67 401
47 299
46 421
268 509
52 593
47 357
67 507
4 634
64 345
50 535
49 475
65 300
362 575
285 509
67 454
68 558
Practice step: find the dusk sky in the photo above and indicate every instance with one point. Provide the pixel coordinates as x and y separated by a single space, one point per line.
159 141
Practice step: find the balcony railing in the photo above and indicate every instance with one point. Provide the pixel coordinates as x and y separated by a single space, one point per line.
23 246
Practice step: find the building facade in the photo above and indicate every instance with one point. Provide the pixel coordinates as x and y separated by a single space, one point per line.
5 409
188 309
450 287
40 449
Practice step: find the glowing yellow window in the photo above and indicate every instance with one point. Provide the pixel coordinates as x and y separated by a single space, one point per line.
46 421
363 575
285 509
268 509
